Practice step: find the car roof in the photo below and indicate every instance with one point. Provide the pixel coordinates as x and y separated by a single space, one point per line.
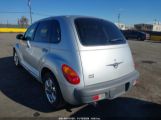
70 17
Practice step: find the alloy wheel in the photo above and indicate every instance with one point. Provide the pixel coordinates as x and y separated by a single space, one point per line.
50 91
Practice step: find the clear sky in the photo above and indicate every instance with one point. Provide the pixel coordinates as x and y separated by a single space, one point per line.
132 11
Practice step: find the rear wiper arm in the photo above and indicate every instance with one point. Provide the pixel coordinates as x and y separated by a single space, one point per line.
117 39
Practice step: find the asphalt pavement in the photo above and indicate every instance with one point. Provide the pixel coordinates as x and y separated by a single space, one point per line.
21 96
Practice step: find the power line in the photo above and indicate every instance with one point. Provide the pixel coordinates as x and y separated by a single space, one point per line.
20 12
8 12
41 14
17 12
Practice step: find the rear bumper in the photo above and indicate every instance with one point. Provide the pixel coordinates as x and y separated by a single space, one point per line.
106 90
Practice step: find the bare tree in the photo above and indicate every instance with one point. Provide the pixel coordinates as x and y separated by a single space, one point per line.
23 22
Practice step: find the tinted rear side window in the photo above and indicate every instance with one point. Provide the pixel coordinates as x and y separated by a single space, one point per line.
42 33
55 32
94 32
48 31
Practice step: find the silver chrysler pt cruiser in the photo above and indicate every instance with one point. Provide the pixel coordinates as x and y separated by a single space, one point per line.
78 59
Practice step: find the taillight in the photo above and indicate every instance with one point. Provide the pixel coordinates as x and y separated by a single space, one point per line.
70 75
95 98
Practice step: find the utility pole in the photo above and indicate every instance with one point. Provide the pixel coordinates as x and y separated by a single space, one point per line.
29 5
119 15
7 23
155 21
18 23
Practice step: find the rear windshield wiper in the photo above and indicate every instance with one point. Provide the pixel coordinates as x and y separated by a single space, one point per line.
117 39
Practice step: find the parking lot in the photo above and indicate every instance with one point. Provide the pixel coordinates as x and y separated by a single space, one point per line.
22 96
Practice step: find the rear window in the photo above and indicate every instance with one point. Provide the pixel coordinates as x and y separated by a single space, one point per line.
95 32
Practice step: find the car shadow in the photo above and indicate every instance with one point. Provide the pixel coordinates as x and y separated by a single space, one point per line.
18 85
122 108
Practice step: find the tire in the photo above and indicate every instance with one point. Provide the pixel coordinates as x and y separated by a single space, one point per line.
16 59
140 39
52 91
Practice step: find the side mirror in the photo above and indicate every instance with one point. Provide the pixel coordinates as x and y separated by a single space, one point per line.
20 37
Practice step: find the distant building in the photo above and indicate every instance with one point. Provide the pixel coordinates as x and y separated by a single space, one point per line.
130 27
157 26
121 26
143 27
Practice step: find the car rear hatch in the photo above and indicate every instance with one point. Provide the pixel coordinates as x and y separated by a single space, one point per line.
104 53
106 64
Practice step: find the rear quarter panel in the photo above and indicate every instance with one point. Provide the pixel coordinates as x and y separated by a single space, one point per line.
64 52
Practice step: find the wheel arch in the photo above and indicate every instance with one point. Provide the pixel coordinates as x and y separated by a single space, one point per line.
17 50
14 49
45 70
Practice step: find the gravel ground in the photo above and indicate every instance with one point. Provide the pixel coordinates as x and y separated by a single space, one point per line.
21 95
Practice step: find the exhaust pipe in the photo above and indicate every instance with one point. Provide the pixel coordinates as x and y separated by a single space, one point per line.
94 104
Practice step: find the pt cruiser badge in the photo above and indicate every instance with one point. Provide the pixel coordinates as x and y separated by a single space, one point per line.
115 65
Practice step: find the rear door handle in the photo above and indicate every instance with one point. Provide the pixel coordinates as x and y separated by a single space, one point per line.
44 50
